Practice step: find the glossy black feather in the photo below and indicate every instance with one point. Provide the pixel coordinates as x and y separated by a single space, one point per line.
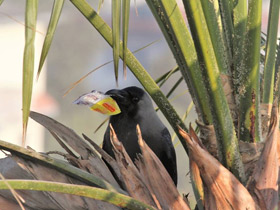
137 108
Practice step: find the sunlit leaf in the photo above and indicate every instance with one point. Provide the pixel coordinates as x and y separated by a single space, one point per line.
125 25
28 61
116 24
100 4
180 42
220 109
271 44
56 11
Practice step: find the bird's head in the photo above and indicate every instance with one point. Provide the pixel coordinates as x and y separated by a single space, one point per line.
131 100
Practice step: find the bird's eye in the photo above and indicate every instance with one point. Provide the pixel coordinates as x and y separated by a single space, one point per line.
135 99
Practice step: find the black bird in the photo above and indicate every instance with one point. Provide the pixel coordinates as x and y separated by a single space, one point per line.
137 108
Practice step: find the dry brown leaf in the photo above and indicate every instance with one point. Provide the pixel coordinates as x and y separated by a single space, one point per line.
158 179
264 181
12 170
67 134
222 189
130 175
149 182
94 164
111 161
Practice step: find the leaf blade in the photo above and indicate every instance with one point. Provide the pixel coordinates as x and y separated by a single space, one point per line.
249 126
125 25
116 20
28 61
56 12
269 65
80 190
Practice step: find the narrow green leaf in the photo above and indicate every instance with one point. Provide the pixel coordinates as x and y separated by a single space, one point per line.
125 25
18 198
172 90
1 1
249 122
226 12
166 75
136 68
187 111
100 4
174 87
56 11
116 24
28 61
214 22
269 65
114 198
147 45
222 120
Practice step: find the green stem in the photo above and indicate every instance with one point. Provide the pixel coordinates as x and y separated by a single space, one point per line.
226 13
223 124
249 121
212 14
269 65
175 31
114 198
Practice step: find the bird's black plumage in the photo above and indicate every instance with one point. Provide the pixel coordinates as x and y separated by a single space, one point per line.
137 108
